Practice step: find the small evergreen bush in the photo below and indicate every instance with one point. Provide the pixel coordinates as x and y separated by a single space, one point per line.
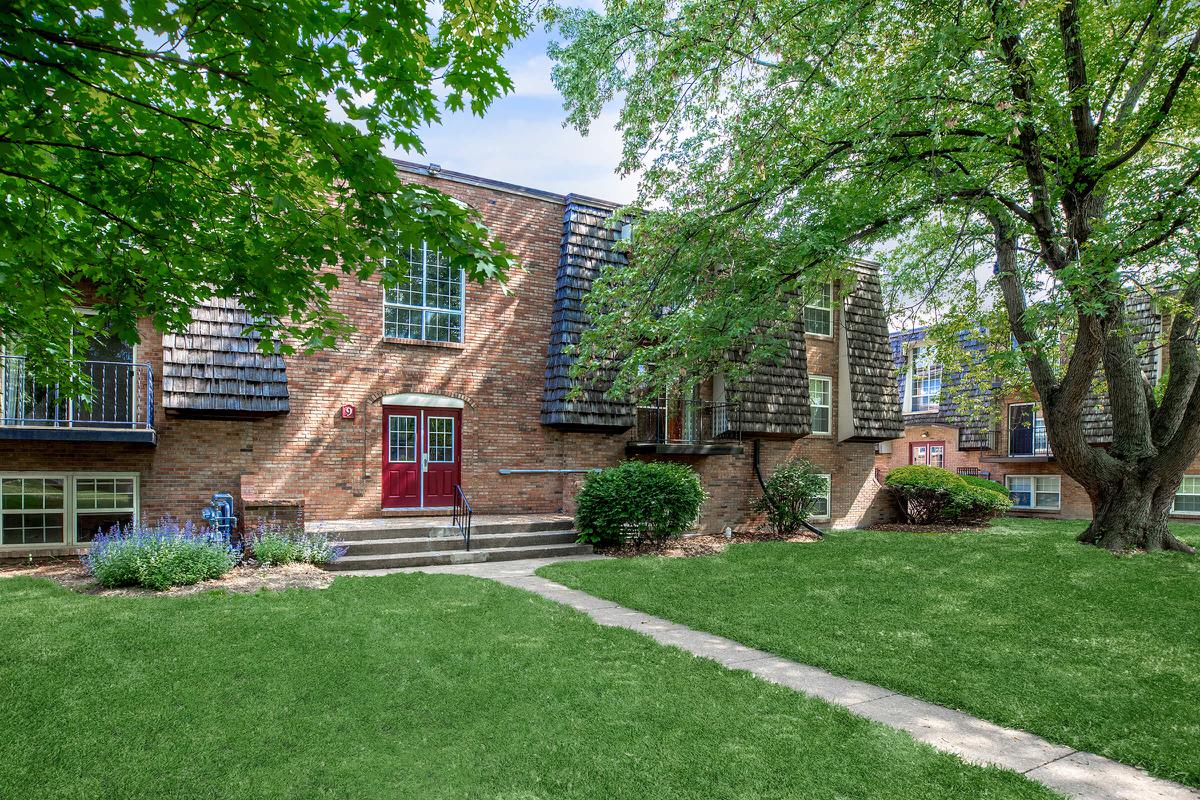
932 494
791 496
159 556
638 501
271 544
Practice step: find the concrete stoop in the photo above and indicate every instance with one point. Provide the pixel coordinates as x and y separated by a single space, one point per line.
394 543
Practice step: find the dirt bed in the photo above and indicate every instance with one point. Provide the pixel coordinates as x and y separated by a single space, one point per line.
701 544
246 579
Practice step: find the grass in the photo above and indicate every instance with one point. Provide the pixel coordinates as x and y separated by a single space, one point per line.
430 686
1017 624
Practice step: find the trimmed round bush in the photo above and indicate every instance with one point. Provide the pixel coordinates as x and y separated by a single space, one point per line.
984 483
792 493
638 501
932 494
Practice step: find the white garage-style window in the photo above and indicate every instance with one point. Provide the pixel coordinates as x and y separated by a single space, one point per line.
1035 492
428 305
923 380
820 510
818 312
45 510
820 400
1187 499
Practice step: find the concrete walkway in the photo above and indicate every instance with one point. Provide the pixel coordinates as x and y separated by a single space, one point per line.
1070 772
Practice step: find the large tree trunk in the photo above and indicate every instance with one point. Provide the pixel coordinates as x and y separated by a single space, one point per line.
1132 515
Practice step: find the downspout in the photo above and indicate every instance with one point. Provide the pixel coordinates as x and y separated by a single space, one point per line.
766 494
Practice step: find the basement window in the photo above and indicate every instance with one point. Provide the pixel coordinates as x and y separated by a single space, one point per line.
818 312
41 510
428 304
1187 499
1035 492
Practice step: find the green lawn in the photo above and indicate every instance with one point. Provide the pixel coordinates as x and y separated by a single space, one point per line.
421 686
1017 624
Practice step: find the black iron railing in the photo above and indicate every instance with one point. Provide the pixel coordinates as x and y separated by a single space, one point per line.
460 516
974 472
122 397
686 422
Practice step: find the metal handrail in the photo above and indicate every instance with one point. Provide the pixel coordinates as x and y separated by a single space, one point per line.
686 422
460 516
122 397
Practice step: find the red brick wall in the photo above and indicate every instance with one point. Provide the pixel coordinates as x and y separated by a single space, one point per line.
333 465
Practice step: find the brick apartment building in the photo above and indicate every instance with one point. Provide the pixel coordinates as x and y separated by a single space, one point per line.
443 387
1006 443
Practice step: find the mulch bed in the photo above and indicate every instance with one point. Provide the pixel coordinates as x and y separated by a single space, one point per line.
931 528
242 579
705 544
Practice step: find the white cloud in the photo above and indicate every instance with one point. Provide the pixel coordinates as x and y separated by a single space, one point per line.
531 78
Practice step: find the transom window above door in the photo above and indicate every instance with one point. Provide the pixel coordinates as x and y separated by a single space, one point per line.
428 304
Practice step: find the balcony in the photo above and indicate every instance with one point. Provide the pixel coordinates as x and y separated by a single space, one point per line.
673 427
1018 445
121 407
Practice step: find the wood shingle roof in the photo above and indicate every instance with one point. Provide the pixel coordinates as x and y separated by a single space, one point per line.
216 368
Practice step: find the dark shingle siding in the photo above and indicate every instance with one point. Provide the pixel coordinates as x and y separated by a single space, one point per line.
1145 321
587 248
773 399
974 426
216 367
875 404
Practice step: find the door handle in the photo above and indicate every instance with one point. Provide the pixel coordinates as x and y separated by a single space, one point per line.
424 462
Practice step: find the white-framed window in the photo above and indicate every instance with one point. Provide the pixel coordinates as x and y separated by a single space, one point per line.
428 306
821 505
820 403
1187 497
1027 430
1035 492
440 439
924 380
45 509
818 312
402 439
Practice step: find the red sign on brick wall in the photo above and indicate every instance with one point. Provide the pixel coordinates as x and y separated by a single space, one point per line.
348 411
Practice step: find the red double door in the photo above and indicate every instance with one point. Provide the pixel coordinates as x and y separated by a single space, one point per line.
422 456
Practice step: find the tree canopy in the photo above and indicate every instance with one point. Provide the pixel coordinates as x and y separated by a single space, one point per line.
1057 142
154 152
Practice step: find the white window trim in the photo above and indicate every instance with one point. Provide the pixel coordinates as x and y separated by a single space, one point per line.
1034 493
70 534
1177 493
1037 412
829 407
808 305
828 501
462 307
910 371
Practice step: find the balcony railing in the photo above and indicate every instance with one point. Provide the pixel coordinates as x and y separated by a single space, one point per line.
685 424
1026 444
121 401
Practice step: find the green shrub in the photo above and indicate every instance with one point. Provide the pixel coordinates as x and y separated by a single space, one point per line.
271 544
791 496
636 501
161 556
984 483
931 494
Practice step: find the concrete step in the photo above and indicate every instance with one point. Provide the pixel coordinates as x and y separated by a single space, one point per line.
363 532
473 556
479 541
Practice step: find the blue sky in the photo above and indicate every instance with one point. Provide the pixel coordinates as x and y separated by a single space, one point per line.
521 139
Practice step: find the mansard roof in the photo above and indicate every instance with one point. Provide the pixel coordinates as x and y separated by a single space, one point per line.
215 368
588 246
